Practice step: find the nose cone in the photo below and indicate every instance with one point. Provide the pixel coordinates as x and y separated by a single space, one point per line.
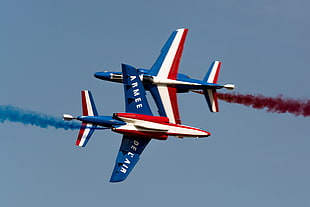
207 134
203 133
103 75
110 76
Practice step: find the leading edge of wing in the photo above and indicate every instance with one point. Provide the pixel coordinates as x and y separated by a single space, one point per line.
128 156
167 64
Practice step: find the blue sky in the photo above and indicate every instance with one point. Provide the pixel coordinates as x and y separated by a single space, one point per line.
50 51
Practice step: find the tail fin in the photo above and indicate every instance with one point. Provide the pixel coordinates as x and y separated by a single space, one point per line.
213 72
89 109
88 104
211 77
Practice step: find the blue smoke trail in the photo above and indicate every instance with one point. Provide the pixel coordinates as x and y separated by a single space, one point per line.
15 114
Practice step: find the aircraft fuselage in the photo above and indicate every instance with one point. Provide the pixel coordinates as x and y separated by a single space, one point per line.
183 82
156 127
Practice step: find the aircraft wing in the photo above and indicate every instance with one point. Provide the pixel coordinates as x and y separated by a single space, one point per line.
128 156
167 103
167 64
166 67
131 146
135 95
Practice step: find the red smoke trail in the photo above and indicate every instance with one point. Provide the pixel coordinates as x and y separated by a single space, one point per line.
277 104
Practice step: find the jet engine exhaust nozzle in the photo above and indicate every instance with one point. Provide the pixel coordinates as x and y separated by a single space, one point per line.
68 117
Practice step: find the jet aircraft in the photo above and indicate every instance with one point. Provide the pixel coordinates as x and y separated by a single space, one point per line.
164 81
137 124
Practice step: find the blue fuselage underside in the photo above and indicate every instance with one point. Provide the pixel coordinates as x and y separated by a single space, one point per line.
105 121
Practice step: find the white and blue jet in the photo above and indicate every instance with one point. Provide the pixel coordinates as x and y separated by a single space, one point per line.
164 81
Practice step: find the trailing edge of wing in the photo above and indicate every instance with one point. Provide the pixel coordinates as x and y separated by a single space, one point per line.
128 156
167 64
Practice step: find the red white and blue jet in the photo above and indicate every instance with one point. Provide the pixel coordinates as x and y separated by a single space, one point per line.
164 81
137 124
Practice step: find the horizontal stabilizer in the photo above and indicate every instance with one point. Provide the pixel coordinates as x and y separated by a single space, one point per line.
212 100
85 133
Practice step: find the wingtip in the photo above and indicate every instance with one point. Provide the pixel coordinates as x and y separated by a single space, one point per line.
182 28
116 179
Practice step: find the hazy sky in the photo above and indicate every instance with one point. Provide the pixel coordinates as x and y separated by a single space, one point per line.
50 50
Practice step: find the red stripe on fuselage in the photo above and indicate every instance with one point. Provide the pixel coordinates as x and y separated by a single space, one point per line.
155 135
156 119
186 127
